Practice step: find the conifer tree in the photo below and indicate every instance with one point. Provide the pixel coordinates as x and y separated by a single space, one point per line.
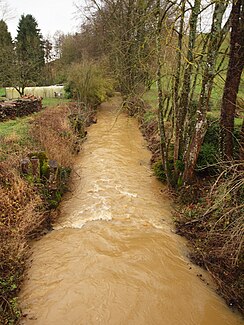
29 53
6 54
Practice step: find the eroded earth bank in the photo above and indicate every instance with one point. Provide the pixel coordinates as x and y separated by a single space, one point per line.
113 257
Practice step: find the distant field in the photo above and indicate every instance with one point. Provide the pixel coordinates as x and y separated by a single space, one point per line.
217 92
54 101
151 97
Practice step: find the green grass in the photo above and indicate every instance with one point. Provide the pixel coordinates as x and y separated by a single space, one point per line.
2 92
151 97
14 136
19 126
54 101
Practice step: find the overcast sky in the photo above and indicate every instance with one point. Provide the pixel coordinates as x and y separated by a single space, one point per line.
51 15
61 15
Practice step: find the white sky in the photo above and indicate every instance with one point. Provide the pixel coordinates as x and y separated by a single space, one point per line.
51 15
61 15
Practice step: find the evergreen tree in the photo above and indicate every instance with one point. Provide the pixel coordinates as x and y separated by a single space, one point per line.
29 52
6 54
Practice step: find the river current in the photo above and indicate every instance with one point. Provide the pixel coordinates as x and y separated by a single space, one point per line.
113 257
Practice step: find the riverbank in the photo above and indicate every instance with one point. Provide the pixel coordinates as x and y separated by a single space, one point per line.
210 214
37 153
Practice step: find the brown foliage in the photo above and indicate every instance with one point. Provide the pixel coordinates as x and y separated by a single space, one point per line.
20 214
54 132
217 233
22 211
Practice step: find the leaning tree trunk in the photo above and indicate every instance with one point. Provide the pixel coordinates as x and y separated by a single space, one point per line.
235 68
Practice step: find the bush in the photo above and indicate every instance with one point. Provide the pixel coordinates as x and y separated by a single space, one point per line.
207 156
159 171
87 83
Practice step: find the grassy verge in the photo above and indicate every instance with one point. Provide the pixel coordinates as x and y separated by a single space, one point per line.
2 93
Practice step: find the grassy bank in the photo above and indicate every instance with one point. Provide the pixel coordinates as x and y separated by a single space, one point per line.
27 200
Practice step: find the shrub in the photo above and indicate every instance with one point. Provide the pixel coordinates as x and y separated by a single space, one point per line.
207 156
215 227
87 83
53 131
159 171
209 153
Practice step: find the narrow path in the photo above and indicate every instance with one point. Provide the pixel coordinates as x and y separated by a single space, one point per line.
113 258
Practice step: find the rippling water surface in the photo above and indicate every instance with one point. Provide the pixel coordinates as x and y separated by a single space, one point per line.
113 257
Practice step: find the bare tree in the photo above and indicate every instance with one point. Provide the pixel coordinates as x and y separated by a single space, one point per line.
6 12
235 68
123 31
200 126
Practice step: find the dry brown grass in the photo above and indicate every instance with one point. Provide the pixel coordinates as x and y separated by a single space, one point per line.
20 214
55 134
216 229
22 205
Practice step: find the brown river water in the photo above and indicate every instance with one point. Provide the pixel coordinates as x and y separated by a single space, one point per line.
113 257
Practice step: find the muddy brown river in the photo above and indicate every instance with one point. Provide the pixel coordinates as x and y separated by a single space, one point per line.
113 258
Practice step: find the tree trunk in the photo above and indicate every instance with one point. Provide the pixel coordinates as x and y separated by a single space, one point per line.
177 85
20 90
185 93
235 68
163 145
200 128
